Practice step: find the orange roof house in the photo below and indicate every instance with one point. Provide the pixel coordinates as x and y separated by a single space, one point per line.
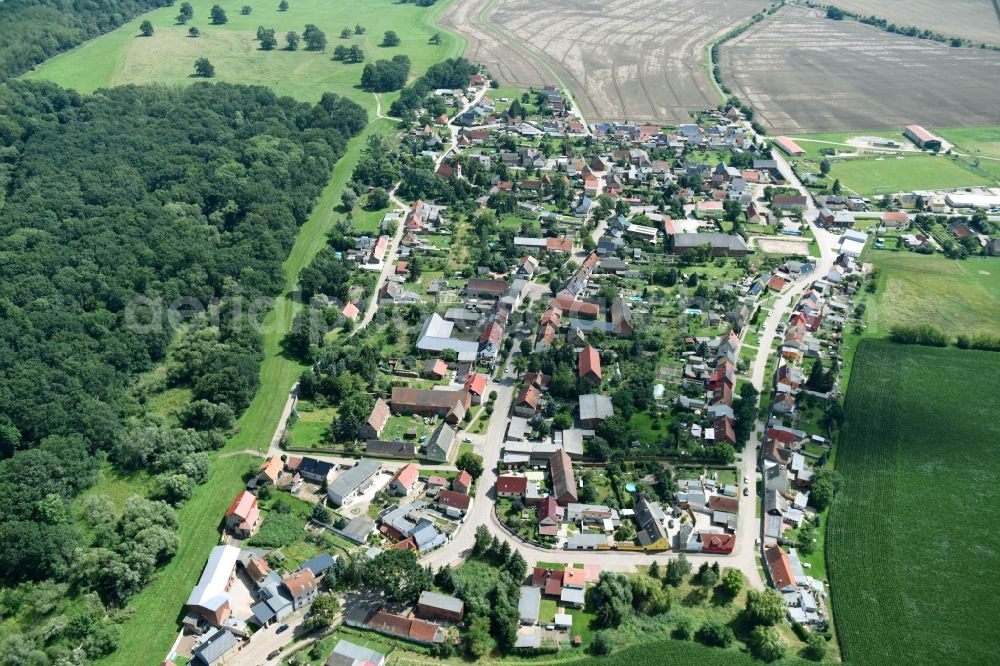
590 365
270 470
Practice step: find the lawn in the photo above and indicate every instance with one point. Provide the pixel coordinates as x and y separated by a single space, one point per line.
167 57
955 296
983 141
875 177
906 554
311 427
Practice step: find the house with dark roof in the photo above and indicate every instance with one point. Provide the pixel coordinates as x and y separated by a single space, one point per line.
317 471
650 518
379 448
549 516
441 443
217 647
319 565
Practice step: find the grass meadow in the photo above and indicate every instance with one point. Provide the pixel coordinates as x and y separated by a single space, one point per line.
875 177
911 546
955 296
167 57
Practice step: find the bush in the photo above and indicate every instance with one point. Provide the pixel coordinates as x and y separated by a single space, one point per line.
602 643
715 633
922 334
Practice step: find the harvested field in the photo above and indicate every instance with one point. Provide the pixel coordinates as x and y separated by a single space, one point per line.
806 73
636 60
972 19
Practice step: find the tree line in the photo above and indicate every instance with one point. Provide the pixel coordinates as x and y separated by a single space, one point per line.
148 193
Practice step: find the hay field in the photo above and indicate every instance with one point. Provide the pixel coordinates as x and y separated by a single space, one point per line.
806 73
636 60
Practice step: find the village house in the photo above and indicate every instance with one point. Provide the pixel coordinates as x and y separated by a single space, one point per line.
243 515
379 416
435 606
403 480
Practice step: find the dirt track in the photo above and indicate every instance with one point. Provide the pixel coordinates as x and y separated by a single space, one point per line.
806 73
631 60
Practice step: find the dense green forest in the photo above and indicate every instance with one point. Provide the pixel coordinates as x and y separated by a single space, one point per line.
144 193
33 30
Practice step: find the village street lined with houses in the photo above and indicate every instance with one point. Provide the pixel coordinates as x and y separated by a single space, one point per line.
444 512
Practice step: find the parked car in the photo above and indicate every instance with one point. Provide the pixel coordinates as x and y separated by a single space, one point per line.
281 629
273 654
746 491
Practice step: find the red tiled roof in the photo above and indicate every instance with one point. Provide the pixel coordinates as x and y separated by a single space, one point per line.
726 504
538 379
779 567
475 383
559 245
463 480
271 467
528 396
407 475
512 484
590 362
573 577
717 543
451 499
244 504
553 586
301 581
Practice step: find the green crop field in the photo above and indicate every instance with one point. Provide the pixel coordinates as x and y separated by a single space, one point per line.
874 177
955 296
912 547
123 56
974 140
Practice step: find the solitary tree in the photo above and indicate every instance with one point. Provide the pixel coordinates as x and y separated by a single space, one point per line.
203 68
390 38
824 166
218 15
283 6
345 33
267 39
247 10
435 38
187 13
193 32
354 54
471 463
292 39
146 28
359 29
